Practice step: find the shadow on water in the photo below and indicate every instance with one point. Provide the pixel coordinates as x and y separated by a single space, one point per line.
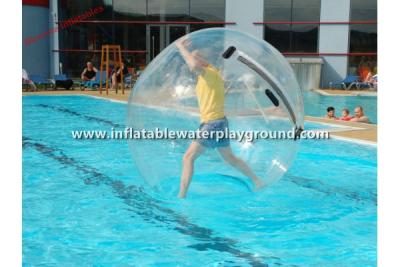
332 190
150 209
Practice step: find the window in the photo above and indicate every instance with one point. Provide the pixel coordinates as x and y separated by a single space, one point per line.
304 38
163 10
277 10
278 35
75 41
364 35
71 8
283 32
130 9
363 38
306 10
207 10
362 10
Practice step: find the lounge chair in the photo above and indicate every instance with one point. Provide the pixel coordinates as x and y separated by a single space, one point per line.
348 82
40 81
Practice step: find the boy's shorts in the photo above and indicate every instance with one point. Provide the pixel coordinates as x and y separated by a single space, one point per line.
220 125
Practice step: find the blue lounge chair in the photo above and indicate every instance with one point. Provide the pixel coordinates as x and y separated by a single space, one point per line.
60 77
96 82
40 81
346 84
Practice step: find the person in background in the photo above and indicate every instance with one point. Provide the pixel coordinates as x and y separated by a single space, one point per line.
330 113
116 74
345 115
359 115
26 80
89 73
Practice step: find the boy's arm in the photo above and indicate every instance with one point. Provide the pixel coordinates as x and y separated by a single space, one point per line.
193 64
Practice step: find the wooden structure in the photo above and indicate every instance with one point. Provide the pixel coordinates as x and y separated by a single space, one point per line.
115 51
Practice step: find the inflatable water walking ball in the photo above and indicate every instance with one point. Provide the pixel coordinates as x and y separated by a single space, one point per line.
262 102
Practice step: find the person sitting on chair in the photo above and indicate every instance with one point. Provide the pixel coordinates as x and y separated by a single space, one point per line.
89 73
26 80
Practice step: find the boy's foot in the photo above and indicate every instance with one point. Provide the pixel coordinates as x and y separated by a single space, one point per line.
259 184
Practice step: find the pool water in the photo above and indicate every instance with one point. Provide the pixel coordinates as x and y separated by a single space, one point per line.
84 203
316 104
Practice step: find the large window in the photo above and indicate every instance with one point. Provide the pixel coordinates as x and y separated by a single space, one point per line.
363 35
116 25
292 25
173 10
207 10
130 9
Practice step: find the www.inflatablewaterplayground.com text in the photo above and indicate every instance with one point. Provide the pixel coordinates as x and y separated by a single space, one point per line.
159 134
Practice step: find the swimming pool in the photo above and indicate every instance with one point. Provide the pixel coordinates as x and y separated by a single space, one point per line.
84 203
316 104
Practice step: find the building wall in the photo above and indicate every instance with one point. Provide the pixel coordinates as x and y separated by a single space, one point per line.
334 39
35 56
245 13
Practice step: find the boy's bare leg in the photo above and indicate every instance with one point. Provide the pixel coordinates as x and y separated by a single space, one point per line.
240 165
193 152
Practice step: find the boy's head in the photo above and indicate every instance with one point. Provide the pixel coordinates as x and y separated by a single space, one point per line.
345 112
330 112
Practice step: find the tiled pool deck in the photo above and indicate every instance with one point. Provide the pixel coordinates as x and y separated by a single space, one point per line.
352 131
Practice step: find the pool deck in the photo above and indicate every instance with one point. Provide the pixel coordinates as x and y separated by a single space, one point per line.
351 131
337 92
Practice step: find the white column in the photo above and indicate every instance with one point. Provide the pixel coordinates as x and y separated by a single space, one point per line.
334 39
53 38
244 13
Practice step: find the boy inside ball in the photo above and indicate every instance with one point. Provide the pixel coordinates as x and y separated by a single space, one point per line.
210 93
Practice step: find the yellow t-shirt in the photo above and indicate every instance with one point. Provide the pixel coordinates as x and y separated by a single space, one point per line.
210 94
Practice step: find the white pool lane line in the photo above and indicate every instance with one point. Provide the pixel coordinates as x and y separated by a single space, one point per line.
353 140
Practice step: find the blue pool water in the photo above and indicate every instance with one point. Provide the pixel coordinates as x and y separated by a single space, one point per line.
316 104
84 203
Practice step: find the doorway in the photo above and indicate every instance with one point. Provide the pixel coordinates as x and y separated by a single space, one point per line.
159 37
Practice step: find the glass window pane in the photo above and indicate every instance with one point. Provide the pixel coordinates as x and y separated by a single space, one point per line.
196 27
277 10
71 8
85 36
306 10
363 10
164 10
207 10
131 36
130 9
363 38
278 36
304 38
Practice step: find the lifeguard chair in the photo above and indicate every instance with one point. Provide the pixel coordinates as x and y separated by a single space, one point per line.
115 51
